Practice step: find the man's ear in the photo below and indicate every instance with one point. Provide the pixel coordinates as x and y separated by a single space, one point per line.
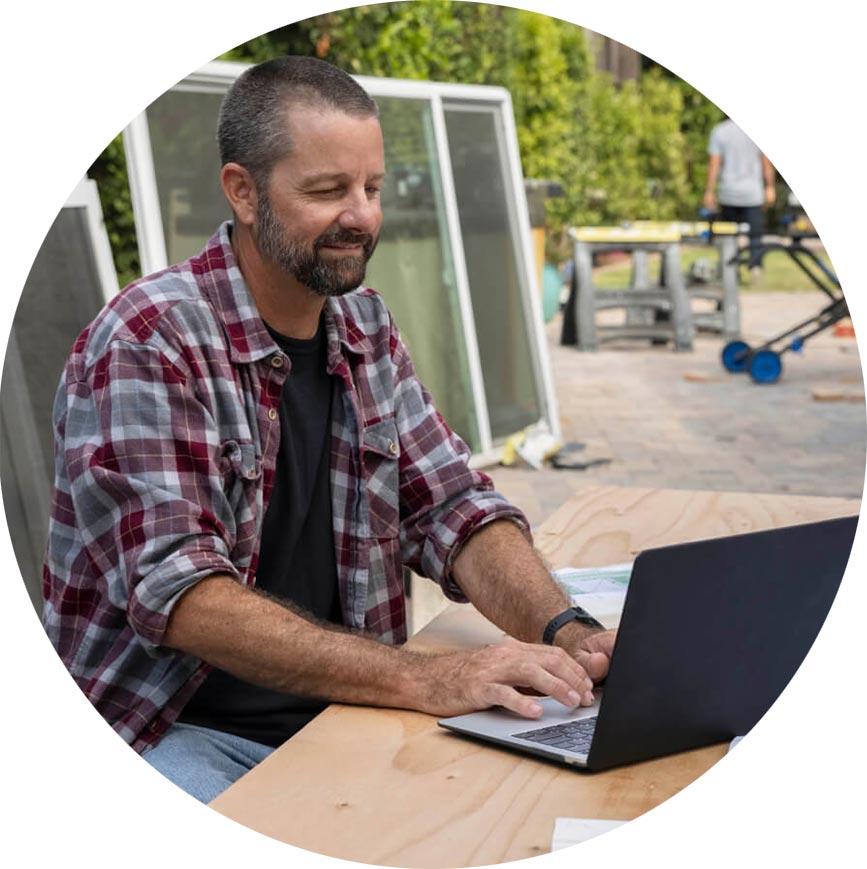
240 189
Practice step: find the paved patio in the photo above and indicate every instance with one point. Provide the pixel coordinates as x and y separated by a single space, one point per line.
679 420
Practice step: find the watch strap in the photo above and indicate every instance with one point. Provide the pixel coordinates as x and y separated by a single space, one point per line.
573 614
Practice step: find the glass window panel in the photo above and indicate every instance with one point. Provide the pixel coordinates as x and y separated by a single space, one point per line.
488 228
62 294
413 266
182 127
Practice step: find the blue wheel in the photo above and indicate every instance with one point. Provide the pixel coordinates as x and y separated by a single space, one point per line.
765 366
735 356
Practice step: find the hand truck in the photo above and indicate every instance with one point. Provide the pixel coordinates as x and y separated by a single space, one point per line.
764 363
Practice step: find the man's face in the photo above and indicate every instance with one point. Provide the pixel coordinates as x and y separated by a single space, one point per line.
319 215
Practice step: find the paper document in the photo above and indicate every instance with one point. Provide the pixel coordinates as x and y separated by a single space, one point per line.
572 831
599 590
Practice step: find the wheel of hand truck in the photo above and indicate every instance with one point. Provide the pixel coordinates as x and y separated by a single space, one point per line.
735 356
765 366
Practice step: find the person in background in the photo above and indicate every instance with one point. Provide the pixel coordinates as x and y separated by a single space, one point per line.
745 179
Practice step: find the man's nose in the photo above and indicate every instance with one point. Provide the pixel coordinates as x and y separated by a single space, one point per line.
362 214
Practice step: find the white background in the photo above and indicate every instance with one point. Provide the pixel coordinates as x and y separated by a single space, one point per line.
790 74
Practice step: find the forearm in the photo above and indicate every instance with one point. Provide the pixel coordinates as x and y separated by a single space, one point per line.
768 172
713 167
507 581
262 641
770 181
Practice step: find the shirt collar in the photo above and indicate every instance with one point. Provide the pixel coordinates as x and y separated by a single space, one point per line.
342 329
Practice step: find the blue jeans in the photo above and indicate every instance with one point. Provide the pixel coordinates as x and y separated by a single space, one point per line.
204 762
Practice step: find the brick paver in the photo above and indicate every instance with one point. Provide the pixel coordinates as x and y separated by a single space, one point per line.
678 420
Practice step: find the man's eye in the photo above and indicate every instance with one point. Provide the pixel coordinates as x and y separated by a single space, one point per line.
374 191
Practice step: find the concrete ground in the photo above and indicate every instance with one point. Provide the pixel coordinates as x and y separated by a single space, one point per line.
679 420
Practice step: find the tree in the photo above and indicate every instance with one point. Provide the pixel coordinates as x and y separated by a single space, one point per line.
620 152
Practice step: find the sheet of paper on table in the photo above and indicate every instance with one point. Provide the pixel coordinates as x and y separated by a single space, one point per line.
573 831
599 590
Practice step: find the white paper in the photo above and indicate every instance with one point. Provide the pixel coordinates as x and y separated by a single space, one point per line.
593 580
573 831
599 590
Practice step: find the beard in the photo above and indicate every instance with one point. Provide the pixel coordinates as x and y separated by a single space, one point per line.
334 277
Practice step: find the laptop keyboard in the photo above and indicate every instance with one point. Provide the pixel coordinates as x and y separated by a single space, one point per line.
573 735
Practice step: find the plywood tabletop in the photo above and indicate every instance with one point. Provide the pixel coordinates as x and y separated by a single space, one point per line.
391 788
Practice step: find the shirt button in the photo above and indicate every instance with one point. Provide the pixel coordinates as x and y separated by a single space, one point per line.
251 473
392 448
276 361
272 413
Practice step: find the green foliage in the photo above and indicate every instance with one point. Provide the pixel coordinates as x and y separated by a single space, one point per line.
629 152
109 173
698 116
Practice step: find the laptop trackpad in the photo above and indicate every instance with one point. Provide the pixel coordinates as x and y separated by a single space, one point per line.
557 730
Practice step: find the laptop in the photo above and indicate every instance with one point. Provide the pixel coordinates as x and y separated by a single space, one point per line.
710 635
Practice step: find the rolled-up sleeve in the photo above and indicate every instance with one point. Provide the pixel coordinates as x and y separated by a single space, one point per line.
143 460
442 500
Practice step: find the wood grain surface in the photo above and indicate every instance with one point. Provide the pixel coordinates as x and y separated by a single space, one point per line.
389 787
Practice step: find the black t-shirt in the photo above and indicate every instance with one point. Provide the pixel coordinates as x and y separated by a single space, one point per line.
296 555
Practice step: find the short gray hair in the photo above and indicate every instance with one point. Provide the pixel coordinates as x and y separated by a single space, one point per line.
252 129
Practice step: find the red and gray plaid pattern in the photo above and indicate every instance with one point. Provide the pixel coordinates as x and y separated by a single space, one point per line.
166 445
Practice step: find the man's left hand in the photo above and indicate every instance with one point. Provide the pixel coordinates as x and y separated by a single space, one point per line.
591 649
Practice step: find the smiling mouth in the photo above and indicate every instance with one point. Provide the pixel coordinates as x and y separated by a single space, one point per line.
354 249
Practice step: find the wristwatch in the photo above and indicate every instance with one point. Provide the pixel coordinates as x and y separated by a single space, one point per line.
573 614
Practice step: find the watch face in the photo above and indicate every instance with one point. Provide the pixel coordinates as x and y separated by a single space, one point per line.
586 619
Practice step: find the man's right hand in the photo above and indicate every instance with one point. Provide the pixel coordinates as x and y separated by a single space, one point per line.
505 674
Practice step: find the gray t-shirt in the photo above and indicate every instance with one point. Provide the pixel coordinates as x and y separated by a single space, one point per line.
740 177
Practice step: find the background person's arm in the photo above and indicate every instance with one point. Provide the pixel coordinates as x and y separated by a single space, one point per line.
769 175
713 166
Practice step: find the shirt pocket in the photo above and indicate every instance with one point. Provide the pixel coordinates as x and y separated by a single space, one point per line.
241 471
380 457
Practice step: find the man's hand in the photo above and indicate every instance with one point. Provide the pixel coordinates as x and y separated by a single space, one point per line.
710 202
594 654
509 583
501 675
591 649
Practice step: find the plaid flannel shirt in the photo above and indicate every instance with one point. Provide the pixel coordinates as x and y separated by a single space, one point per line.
167 433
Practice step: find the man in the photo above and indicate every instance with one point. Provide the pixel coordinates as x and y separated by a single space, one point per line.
746 185
246 460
